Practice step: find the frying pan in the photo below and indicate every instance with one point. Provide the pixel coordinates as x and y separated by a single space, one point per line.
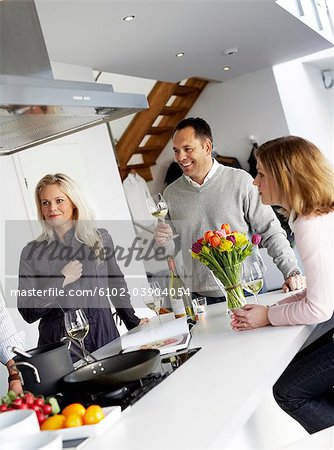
116 370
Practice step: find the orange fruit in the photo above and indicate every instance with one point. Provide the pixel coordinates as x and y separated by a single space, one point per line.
53 423
93 414
74 408
73 420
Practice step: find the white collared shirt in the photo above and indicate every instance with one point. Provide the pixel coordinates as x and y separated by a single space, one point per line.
211 172
292 218
9 336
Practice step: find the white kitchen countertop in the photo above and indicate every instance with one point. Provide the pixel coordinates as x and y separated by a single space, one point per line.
206 401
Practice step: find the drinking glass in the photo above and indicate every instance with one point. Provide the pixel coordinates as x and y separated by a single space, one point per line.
158 208
156 299
252 276
77 326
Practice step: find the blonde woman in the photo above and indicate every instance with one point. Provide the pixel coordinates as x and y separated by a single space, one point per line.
71 265
293 173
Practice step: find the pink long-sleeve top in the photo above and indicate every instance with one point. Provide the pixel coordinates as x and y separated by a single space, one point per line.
314 237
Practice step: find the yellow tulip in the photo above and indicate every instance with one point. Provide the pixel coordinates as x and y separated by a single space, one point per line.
225 245
240 239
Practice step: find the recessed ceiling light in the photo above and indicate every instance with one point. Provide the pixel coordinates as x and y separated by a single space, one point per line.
179 55
128 18
226 68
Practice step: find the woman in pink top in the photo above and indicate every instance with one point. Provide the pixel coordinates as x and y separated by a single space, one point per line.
293 173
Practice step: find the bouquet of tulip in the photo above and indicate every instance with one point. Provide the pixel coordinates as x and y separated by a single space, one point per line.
223 252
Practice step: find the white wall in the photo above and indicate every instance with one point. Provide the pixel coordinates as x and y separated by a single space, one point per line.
239 107
307 105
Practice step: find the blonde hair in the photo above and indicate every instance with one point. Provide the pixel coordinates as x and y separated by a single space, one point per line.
301 173
83 217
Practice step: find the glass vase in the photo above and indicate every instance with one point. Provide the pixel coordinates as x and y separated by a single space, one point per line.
229 281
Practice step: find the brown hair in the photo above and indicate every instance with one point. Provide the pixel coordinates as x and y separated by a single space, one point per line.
301 173
201 127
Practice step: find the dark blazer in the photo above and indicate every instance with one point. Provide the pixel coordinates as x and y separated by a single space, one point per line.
43 297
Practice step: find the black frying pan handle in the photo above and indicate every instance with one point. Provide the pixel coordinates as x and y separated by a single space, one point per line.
75 350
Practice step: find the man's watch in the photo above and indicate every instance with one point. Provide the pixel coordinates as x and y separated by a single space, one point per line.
14 377
294 273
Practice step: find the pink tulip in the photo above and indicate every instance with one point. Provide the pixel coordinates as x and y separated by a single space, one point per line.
256 239
221 233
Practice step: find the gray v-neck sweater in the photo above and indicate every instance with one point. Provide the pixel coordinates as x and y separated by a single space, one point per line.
227 197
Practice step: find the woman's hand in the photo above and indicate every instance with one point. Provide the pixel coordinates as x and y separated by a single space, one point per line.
72 272
143 320
249 317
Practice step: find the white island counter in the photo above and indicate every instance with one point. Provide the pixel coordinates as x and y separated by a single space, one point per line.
205 402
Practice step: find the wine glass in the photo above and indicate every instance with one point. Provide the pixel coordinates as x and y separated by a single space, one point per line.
252 276
156 299
77 326
158 208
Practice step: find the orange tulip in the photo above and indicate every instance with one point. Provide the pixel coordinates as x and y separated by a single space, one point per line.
226 227
208 235
214 241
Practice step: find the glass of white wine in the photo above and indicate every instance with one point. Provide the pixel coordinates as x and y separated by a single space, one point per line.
77 326
156 299
158 208
252 276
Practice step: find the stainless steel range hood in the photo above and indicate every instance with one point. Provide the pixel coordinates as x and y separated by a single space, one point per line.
34 107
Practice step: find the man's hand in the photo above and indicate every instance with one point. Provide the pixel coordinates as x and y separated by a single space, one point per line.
15 386
163 233
249 317
293 283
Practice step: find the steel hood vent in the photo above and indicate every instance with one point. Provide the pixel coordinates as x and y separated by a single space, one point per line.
34 107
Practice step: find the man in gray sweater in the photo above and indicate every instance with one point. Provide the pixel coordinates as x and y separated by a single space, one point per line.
209 194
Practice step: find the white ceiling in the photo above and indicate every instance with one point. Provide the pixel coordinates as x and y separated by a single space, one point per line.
92 33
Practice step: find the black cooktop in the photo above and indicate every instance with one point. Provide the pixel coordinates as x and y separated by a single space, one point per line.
130 393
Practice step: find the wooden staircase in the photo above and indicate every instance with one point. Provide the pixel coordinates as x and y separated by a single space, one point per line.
168 101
